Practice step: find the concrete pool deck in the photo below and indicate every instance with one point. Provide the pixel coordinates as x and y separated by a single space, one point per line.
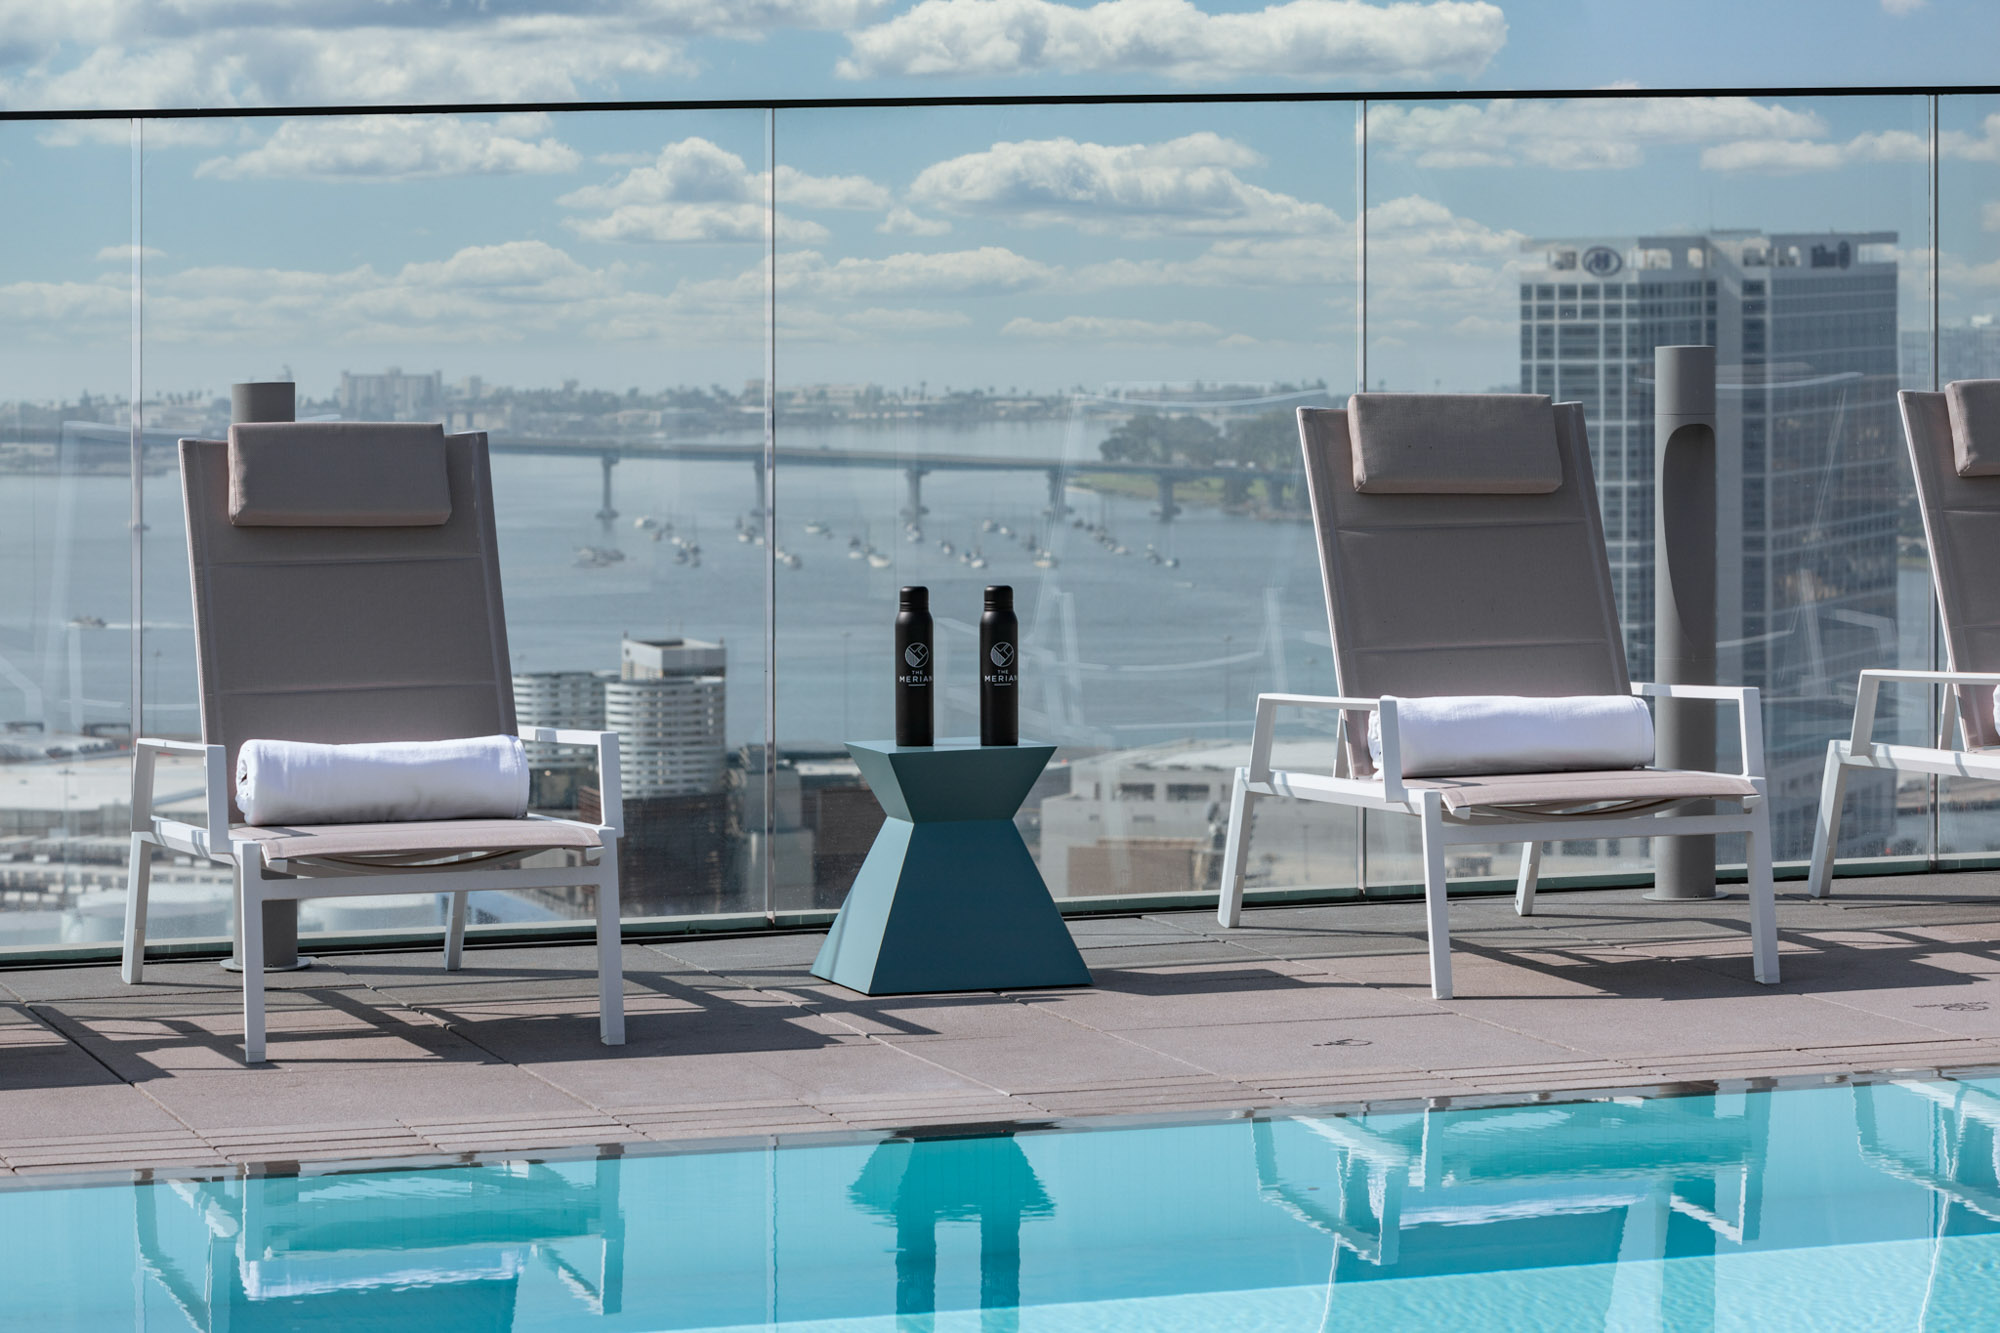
386 1054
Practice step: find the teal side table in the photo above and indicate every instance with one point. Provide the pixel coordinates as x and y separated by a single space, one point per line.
949 899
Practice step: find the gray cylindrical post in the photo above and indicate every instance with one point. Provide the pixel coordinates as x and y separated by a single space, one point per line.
1684 546
264 400
271 400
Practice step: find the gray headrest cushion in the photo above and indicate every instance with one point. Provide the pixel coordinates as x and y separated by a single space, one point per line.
1454 444
338 474
1975 426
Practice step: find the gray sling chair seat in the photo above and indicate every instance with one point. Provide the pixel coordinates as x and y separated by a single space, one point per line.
1463 554
1954 440
346 589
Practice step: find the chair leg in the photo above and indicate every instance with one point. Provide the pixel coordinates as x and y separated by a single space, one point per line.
1436 916
1763 900
250 927
454 934
1235 851
138 882
610 950
1826 824
1531 870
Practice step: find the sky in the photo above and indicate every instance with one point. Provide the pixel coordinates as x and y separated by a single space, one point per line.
1033 247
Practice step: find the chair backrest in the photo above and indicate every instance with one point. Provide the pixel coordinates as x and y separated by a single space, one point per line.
342 626
1463 593
1962 524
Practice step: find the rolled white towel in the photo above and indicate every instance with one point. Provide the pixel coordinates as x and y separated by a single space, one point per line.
298 782
1462 735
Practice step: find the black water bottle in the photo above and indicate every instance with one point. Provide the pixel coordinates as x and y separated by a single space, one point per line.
999 669
913 667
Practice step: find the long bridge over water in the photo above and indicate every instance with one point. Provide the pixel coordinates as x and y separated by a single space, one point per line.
609 451
914 466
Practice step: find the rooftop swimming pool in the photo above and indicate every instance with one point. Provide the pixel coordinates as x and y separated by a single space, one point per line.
1863 1206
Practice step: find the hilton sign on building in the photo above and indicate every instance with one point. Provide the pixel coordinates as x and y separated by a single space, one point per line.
1812 479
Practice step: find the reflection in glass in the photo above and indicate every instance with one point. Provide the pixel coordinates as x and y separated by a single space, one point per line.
66 414
1063 355
1801 281
574 287
1879 1202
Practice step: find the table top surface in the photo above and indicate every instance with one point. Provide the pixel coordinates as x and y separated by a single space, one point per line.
954 744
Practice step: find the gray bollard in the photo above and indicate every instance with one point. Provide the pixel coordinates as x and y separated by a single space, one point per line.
271 400
1684 546
264 400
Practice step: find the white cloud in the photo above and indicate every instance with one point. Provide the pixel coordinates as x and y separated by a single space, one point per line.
511 292
1181 185
122 254
1313 39
800 190
1578 134
902 222
988 270
400 148
1787 156
55 309
1101 328
875 319
80 53
695 190
1902 7
1775 157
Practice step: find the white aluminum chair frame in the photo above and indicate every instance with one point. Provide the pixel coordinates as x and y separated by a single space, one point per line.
1862 751
258 881
1443 828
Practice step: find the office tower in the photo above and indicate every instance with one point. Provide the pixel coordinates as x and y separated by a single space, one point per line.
392 396
667 707
1810 482
573 699
1968 351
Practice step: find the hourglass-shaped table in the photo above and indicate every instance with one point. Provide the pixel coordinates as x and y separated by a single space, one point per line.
948 898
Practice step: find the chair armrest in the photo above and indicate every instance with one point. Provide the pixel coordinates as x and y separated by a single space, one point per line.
1862 743
1389 773
610 797
1749 715
215 784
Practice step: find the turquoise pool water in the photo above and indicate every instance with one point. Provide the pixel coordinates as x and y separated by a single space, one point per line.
1874 1206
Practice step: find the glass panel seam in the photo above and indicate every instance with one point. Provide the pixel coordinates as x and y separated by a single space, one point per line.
768 519
135 708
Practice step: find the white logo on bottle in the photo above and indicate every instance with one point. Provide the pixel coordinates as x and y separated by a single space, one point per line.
917 656
1002 655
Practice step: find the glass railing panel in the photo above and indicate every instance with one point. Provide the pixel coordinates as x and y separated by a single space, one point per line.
65 529
1967 347
1059 348
1550 246
586 290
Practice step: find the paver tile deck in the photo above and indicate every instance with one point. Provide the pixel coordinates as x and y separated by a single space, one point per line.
385 1053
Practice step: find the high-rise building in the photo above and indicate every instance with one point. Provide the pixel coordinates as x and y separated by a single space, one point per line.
1968 351
665 701
1810 478
392 396
572 699
667 707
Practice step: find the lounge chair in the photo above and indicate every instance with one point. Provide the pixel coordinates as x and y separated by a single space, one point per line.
348 589
1469 576
1954 440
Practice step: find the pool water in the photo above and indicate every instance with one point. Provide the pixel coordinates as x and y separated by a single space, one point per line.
1871 1206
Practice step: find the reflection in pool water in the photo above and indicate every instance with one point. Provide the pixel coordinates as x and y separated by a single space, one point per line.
1870 1206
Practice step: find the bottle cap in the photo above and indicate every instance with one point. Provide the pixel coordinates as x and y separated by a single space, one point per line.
916 596
1000 597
